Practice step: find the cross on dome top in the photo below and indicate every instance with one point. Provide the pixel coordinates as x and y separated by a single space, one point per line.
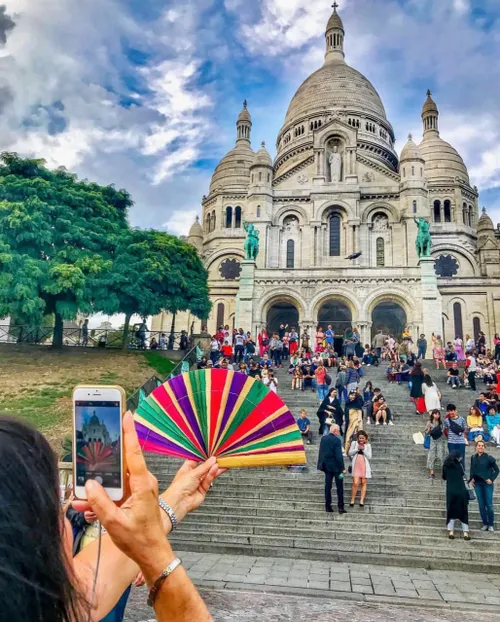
335 36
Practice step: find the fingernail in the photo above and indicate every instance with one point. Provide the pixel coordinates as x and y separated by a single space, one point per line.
91 485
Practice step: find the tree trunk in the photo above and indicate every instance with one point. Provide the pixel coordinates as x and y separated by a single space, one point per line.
126 330
57 338
171 338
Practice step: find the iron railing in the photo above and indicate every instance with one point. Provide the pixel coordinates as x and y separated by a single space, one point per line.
150 385
97 338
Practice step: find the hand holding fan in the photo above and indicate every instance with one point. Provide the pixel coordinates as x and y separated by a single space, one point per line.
215 412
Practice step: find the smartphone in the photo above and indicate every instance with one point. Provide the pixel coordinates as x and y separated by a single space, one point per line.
98 439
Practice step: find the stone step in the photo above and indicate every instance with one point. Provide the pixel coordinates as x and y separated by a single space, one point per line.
349 533
407 557
276 512
414 517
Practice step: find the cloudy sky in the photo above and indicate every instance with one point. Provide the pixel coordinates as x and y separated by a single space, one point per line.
145 94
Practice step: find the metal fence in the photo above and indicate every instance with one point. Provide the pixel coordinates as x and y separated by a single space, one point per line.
97 338
150 385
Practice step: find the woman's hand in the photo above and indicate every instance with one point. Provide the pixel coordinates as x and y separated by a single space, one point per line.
489 482
137 527
190 486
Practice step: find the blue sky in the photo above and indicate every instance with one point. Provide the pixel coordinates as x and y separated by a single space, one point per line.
145 95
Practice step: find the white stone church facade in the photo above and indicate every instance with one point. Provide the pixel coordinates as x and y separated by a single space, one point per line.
336 188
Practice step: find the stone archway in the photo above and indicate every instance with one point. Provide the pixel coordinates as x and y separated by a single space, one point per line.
282 312
389 317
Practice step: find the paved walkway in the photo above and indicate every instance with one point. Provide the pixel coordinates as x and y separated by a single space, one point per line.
374 585
241 606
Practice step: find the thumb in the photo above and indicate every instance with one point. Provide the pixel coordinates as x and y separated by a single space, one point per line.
101 504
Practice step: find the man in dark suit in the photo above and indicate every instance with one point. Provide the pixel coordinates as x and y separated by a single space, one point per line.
331 462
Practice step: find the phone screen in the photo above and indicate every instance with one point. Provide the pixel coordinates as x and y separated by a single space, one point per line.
98 442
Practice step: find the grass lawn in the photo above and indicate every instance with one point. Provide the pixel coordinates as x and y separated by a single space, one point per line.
36 383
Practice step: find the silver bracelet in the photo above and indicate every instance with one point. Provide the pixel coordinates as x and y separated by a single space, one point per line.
169 512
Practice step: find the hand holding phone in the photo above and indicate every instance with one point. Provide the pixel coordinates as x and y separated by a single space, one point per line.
98 439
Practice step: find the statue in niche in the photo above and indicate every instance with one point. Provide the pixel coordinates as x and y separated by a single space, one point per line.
335 162
380 223
292 225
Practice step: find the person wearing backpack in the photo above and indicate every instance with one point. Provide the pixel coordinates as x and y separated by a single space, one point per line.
456 428
437 449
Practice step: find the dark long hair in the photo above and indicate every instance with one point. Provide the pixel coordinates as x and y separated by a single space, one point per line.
417 369
431 418
35 576
428 380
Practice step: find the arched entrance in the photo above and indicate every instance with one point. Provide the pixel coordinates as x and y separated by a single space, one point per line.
282 313
339 315
390 318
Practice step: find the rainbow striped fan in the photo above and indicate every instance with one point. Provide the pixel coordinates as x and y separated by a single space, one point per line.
215 412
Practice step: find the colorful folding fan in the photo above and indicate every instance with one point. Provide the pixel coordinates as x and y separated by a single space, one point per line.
215 412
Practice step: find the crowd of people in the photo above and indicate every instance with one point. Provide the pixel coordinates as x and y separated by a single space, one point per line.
447 433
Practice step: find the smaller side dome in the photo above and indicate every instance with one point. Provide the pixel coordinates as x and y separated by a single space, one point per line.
485 224
262 157
411 151
196 230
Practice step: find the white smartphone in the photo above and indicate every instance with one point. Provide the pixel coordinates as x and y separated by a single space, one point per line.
98 439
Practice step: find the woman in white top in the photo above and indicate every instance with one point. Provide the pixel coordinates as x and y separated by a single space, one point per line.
360 453
469 344
431 393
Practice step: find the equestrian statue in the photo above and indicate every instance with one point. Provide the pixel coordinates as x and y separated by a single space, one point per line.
424 240
252 242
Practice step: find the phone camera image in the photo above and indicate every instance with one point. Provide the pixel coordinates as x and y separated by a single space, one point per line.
98 442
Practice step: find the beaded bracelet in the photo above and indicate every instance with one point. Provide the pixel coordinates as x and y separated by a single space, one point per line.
153 592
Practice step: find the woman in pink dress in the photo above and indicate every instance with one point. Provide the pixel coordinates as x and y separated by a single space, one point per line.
320 340
263 342
438 351
459 349
360 453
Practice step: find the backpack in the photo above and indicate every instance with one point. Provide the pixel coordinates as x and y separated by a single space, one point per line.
328 380
436 433
455 428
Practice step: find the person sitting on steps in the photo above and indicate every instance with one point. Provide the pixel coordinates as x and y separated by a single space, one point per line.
305 426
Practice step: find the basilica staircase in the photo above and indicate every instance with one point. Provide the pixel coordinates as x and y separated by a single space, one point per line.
274 512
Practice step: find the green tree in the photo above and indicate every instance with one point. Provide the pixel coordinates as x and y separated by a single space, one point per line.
153 271
58 237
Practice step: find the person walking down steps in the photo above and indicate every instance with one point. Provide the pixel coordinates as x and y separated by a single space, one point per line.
360 453
331 462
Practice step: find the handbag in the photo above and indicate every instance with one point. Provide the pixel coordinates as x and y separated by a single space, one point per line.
427 441
470 491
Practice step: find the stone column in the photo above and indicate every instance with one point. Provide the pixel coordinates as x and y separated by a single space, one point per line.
432 307
244 298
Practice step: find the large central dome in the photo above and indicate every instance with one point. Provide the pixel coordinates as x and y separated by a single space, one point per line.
334 86
336 91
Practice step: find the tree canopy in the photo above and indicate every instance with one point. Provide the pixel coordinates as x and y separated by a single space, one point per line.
153 271
66 247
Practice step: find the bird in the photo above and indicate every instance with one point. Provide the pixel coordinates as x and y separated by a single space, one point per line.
354 256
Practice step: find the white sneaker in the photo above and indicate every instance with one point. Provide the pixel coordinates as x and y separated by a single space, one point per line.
491 529
369 365
391 423
385 422
368 422
484 528
378 423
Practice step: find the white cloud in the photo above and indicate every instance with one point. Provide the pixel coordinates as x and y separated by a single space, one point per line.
180 221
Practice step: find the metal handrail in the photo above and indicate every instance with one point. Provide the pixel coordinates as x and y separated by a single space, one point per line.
150 385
